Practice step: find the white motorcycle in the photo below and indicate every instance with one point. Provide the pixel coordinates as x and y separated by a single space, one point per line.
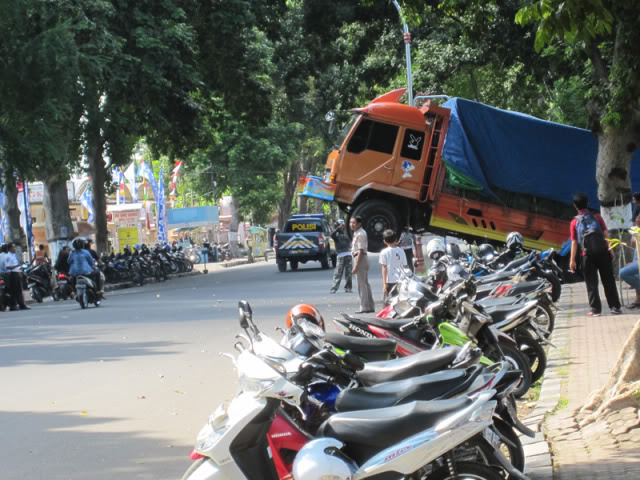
253 438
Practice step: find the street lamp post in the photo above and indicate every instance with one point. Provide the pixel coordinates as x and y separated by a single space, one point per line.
407 50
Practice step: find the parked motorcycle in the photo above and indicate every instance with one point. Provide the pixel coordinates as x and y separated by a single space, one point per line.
64 290
253 437
39 282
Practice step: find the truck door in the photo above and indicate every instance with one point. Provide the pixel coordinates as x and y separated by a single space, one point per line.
369 154
409 168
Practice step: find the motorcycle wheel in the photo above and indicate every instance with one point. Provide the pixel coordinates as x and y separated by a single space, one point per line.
556 285
294 264
83 300
56 296
521 363
471 471
545 318
36 295
534 352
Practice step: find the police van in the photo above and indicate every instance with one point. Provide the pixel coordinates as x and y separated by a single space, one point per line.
305 239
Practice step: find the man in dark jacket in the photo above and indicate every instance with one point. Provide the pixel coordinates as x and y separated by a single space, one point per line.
62 262
344 260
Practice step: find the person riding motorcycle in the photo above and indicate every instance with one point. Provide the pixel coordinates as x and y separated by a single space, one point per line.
82 263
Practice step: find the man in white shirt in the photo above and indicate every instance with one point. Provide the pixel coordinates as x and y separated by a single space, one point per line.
392 259
12 264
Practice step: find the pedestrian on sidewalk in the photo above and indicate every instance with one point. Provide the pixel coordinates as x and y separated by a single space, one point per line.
589 233
361 265
392 259
343 258
630 273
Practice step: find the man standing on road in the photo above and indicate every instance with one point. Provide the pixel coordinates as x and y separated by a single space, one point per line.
15 282
406 244
589 232
344 261
361 265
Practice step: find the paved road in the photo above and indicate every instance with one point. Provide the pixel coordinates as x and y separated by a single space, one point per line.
122 390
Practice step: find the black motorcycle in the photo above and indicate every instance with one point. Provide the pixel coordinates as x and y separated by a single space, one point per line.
39 282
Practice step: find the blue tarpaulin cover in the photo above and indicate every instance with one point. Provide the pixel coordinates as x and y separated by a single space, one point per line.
523 154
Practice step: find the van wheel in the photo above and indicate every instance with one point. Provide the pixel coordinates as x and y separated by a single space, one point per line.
282 266
294 264
377 216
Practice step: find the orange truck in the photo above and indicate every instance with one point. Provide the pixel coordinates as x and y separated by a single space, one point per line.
391 168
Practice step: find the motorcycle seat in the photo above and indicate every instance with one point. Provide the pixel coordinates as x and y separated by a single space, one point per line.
433 386
383 427
361 345
497 277
501 312
389 323
421 363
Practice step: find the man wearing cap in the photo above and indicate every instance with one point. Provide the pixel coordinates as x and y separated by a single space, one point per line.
343 254
361 265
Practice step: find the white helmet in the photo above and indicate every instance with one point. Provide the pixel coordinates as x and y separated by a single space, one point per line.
435 245
514 240
317 461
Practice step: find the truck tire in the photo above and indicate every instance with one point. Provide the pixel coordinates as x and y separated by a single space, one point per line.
377 216
282 266
294 264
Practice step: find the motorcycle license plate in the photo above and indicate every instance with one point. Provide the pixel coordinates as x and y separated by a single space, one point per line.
62 283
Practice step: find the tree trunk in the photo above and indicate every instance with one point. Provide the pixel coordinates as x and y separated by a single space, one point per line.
233 229
15 233
613 167
474 85
58 226
623 385
290 184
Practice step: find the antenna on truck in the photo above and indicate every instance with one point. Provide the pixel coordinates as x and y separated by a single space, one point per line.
407 50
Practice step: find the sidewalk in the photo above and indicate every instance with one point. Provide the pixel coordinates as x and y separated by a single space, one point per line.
588 349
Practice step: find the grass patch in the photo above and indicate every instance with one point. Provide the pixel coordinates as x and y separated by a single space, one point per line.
563 371
636 396
533 395
562 404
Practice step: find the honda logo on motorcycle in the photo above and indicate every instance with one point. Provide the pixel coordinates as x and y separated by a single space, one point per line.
357 329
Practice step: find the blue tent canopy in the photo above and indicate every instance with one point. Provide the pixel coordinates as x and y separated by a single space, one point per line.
522 154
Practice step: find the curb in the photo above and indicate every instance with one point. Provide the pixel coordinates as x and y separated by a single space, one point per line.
539 464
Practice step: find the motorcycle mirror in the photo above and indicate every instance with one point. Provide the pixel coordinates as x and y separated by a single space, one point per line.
353 361
244 314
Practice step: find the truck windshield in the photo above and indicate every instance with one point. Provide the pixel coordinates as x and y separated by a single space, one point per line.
347 128
301 226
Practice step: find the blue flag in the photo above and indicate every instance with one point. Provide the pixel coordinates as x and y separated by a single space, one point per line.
146 172
163 227
87 202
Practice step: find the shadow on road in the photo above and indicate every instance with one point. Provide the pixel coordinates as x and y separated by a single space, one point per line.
67 439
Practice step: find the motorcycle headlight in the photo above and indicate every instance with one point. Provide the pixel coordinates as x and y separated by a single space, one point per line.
248 384
209 436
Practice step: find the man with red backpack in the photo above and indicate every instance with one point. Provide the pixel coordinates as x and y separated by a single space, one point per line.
589 234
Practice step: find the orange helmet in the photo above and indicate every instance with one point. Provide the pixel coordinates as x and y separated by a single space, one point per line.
306 311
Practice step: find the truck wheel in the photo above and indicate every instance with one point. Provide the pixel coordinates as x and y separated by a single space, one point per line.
282 266
294 264
377 216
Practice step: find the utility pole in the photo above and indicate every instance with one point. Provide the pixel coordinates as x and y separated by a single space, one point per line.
407 50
